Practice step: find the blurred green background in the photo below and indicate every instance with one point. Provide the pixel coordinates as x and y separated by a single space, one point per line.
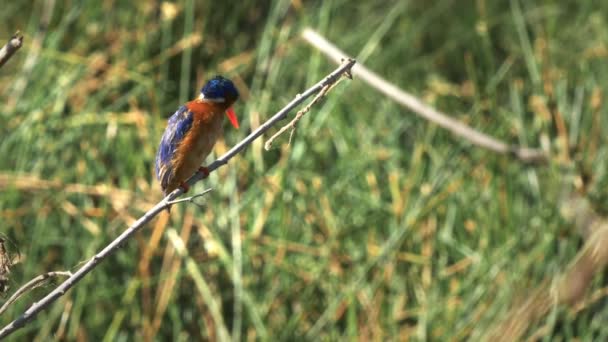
373 224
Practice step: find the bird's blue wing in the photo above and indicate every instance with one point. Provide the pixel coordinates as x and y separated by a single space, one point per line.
177 127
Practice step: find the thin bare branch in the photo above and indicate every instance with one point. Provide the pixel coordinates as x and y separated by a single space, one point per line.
9 49
190 199
420 108
59 291
30 285
292 124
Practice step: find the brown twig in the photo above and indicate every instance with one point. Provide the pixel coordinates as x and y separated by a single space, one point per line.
190 198
524 154
293 123
30 285
9 49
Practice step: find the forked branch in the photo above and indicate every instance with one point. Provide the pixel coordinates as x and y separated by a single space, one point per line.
30 285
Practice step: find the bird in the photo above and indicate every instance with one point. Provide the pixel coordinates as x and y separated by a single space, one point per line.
192 132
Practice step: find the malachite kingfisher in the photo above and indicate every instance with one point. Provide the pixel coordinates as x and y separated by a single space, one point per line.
191 133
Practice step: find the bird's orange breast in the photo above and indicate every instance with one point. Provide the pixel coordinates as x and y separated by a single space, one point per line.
199 141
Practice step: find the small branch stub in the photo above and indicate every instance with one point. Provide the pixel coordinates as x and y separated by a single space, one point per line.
11 47
190 199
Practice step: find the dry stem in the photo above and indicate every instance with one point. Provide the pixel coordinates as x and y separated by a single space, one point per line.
425 111
293 123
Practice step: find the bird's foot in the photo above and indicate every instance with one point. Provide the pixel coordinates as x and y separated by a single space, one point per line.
204 171
185 186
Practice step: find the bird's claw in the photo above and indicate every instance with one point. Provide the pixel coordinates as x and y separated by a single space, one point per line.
204 171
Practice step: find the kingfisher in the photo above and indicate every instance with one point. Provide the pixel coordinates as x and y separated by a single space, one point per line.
191 133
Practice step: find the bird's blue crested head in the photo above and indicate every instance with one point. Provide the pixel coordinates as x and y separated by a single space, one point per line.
220 88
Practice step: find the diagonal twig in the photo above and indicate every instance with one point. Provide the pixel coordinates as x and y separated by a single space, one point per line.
30 285
190 198
11 47
59 291
293 123
524 154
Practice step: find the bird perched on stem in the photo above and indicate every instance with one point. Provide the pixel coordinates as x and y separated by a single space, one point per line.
191 133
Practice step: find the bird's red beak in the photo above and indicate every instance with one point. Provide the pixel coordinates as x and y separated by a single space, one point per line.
232 117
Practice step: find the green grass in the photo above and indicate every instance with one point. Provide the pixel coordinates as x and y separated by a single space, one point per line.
372 224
